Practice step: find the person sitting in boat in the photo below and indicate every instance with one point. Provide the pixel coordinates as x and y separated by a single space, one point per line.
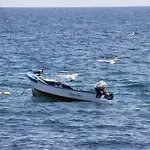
38 72
100 89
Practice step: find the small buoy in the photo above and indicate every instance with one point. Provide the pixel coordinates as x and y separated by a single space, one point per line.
6 93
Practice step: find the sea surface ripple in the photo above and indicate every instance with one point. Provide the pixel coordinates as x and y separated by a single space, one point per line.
71 40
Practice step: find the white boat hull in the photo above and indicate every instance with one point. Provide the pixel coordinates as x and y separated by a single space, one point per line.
59 93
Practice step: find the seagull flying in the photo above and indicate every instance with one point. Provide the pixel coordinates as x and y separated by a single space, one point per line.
69 76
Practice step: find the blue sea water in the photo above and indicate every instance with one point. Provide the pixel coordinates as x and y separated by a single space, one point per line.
71 40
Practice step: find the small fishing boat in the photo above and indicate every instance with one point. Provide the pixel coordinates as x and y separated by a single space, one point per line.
60 91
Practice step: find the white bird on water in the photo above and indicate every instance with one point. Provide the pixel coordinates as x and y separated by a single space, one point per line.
111 61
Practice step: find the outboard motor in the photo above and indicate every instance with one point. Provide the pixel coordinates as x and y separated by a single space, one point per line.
100 90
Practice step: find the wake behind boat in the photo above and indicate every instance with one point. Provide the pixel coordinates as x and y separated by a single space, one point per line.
61 91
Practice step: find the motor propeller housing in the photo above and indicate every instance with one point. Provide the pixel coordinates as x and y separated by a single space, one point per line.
109 96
